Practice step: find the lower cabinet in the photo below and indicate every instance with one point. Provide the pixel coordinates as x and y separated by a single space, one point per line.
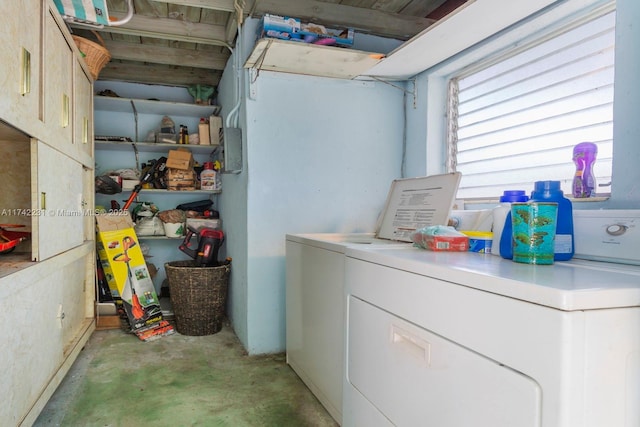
59 198
45 324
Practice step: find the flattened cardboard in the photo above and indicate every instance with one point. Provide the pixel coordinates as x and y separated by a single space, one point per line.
413 203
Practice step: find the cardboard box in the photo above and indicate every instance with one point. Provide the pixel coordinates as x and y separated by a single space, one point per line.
181 180
126 270
279 27
287 28
215 130
180 159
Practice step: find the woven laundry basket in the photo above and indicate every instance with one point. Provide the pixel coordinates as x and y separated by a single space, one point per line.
96 54
198 296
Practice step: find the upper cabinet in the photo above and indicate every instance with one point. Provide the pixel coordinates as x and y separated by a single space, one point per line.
58 77
82 114
20 59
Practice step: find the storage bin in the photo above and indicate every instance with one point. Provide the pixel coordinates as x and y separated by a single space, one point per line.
198 296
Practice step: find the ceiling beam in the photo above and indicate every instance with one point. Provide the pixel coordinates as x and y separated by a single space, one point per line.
338 15
221 5
170 29
166 55
149 74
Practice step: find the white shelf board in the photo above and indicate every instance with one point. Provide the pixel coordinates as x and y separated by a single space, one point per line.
145 106
153 147
469 24
309 59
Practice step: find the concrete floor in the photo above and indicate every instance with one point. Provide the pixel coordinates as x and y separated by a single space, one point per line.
180 380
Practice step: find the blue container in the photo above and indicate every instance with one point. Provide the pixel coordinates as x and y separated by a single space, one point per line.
549 191
504 248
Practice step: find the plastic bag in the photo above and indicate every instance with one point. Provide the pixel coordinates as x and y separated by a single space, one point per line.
149 226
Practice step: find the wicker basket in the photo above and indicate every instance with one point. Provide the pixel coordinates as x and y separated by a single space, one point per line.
96 55
198 296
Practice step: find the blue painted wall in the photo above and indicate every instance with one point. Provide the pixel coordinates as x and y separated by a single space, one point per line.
319 155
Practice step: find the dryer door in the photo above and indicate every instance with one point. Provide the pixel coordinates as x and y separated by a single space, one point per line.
417 378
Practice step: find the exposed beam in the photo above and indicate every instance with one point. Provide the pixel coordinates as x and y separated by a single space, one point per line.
149 74
221 5
166 55
170 29
339 15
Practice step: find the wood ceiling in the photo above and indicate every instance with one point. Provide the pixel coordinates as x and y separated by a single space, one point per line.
186 42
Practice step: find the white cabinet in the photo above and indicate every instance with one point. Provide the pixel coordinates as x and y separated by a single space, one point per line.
46 282
45 327
20 59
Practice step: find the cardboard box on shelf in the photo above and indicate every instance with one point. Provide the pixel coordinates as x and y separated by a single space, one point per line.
126 271
215 129
181 180
180 159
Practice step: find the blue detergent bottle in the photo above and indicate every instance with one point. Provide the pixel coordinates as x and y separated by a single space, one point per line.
549 191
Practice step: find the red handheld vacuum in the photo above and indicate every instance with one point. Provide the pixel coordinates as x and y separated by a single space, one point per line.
209 242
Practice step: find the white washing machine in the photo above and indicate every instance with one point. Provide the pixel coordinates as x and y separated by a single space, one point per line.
466 339
315 280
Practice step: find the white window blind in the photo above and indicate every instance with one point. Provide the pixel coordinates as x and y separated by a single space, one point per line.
517 120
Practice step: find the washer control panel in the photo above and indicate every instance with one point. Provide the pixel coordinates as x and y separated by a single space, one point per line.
607 235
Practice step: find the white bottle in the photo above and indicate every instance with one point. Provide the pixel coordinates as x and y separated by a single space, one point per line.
500 214
208 177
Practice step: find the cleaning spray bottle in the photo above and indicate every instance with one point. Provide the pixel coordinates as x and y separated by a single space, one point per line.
584 183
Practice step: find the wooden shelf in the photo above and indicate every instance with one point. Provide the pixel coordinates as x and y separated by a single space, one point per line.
145 106
153 147
310 59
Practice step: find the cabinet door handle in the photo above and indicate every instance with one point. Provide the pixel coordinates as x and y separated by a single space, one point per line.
43 200
65 110
412 344
85 130
25 83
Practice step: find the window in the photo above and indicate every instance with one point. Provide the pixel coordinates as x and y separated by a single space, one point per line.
515 120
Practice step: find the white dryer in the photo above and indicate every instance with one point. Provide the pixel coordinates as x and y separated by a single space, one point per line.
466 339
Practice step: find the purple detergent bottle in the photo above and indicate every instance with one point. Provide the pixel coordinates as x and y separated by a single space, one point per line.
584 183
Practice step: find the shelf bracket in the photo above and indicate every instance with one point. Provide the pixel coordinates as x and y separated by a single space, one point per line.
135 117
253 87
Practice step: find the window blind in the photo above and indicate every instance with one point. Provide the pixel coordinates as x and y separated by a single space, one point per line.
517 120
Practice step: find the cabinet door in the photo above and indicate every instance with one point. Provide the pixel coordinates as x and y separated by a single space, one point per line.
30 337
58 198
20 59
76 297
58 72
82 114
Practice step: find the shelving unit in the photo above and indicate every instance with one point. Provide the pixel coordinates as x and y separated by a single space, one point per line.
136 119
